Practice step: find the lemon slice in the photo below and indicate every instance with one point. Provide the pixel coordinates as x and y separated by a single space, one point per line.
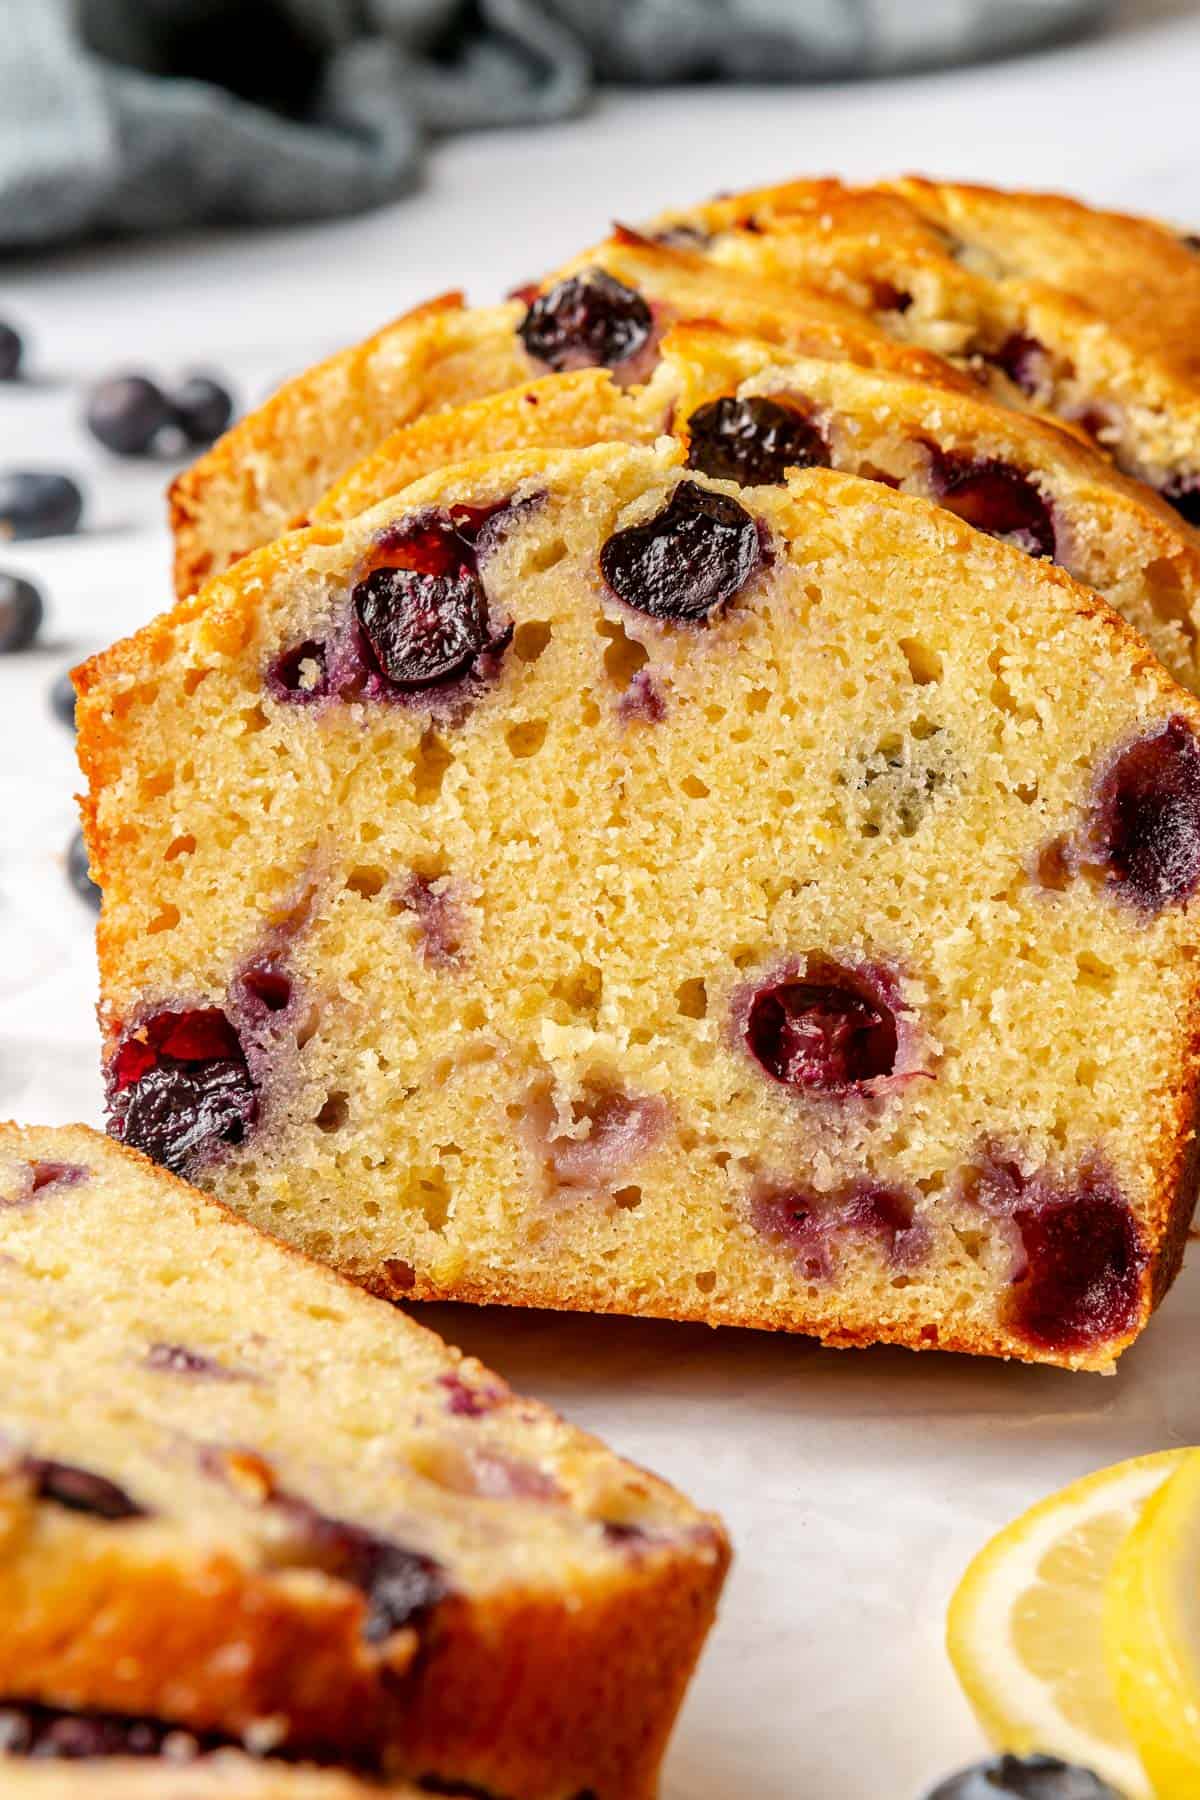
1025 1625
1152 1633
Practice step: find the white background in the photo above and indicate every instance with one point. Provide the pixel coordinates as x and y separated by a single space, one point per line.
856 1485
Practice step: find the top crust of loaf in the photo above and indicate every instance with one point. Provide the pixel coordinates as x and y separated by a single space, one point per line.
1117 299
264 475
257 479
1116 534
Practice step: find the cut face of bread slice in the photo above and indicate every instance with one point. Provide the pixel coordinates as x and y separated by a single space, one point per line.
770 906
1091 315
242 1498
608 309
748 412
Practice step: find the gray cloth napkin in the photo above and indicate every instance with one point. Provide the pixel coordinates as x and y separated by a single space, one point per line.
146 115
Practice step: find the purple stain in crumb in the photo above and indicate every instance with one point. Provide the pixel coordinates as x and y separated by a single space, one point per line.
995 498
80 1490
433 902
498 1477
299 674
41 1176
619 1127
266 988
1145 827
642 700
177 1359
809 1225
57 1174
1079 1259
467 1401
1023 359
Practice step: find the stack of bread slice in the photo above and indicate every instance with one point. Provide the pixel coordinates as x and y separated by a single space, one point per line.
679 793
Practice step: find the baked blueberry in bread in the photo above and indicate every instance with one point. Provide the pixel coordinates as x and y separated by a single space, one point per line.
583 882
242 1503
1088 314
748 412
606 310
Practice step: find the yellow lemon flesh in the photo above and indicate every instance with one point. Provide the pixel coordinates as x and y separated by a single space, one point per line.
1152 1633
1025 1628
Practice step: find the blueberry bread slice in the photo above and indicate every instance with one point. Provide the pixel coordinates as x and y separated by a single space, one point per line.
1090 315
606 310
579 882
243 1501
748 412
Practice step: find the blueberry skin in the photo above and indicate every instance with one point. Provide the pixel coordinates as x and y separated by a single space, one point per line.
34 504
1023 1778
201 408
21 613
77 872
62 700
11 352
126 413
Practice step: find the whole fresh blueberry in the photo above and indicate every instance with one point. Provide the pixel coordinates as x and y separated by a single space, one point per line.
11 352
62 699
36 504
21 613
77 871
1023 1778
126 413
202 408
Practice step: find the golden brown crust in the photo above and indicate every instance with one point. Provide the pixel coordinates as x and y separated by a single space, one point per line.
557 412
99 1620
1113 302
1134 271
591 1702
258 479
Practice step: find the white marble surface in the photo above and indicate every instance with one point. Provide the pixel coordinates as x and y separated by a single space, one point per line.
856 1486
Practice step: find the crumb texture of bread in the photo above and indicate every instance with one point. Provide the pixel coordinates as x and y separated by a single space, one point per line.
243 1499
809 946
